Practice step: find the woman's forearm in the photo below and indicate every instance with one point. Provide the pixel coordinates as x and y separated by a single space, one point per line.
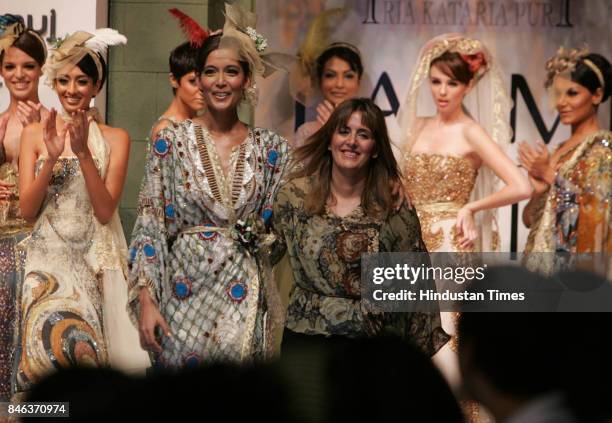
103 203
509 194
31 197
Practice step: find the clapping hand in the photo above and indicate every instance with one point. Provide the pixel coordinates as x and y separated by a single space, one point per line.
536 160
5 188
28 112
79 133
54 142
324 111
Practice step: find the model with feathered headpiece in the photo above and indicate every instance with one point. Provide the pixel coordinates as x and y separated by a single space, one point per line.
220 178
72 173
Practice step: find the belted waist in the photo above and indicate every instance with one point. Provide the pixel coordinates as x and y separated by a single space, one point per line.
199 229
446 206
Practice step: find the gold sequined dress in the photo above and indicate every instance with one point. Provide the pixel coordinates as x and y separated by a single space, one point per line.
13 229
439 186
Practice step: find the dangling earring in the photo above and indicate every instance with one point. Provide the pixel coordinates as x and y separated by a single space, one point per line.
249 94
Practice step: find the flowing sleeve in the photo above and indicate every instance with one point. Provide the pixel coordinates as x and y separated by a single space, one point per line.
155 227
402 233
280 223
595 224
277 159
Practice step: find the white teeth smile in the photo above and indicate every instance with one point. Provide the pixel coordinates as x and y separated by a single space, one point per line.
21 85
72 100
221 95
350 154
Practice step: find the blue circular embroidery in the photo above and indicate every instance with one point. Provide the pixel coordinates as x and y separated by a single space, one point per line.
192 360
266 214
170 211
272 157
207 236
133 252
182 288
237 291
149 251
161 147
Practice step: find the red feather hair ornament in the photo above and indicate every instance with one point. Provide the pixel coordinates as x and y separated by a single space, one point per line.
196 35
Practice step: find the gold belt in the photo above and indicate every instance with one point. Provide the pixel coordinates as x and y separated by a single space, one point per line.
448 206
198 229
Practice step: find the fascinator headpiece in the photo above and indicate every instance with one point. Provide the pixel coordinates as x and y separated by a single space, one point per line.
11 28
239 34
72 49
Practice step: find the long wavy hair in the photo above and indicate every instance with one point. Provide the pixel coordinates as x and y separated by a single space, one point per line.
383 172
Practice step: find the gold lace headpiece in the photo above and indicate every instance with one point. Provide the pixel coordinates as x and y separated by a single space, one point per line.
565 62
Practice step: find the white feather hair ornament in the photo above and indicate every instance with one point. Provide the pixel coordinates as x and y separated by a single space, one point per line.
104 38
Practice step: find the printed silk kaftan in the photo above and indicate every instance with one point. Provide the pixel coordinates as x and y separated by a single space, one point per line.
210 289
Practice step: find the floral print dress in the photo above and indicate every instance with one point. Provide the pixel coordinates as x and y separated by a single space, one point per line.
325 255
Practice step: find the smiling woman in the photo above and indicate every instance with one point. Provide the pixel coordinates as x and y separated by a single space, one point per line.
199 268
338 206
72 173
22 54
338 75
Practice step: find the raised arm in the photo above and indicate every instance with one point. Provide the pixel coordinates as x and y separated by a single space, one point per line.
33 188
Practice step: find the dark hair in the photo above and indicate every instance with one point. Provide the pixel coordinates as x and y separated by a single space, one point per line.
341 52
211 44
584 75
32 45
453 66
183 59
88 66
383 171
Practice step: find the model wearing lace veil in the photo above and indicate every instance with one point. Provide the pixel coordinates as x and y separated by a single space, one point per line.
455 137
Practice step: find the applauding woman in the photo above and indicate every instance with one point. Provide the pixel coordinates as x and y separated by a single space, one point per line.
570 210
22 55
72 173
